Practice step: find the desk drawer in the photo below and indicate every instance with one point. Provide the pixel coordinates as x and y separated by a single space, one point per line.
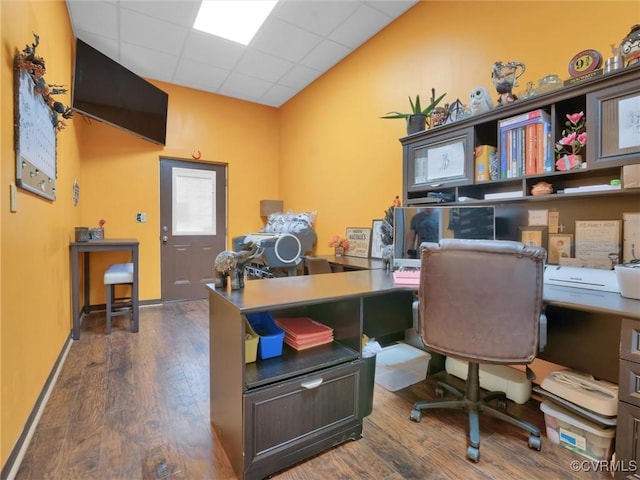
630 340
285 420
629 384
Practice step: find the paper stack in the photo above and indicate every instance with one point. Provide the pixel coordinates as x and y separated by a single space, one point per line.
303 332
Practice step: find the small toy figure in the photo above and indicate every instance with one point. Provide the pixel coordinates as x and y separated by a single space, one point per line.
438 116
630 46
480 100
505 76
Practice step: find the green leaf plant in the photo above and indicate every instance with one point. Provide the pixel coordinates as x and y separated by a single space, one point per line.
416 108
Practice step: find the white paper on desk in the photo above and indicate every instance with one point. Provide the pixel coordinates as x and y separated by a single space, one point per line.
597 239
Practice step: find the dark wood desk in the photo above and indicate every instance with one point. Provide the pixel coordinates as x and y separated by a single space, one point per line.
346 263
86 248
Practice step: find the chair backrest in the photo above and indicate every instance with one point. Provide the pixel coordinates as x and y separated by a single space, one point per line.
481 300
317 265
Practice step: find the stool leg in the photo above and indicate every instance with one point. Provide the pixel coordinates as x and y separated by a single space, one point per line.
135 307
110 295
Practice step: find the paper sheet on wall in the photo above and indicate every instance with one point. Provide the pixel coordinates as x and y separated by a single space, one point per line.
597 241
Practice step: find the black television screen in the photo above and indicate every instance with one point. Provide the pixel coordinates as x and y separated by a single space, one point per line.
105 90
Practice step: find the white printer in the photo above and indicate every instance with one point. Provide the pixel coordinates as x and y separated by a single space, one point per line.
589 278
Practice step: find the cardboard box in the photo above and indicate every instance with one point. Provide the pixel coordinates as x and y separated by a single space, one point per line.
631 176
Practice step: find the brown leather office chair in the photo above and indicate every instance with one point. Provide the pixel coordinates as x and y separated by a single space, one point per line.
317 265
481 302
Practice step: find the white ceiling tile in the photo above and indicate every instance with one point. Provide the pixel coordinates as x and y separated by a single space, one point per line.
299 42
149 63
320 18
154 34
191 73
242 86
261 65
325 55
277 95
299 77
393 8
212 50
176 12
283 40
361 26
99 18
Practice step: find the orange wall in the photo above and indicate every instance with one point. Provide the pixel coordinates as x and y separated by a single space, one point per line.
121 175
338 157
325 150
34 298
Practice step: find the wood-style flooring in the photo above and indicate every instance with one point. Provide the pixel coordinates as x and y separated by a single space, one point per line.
136 406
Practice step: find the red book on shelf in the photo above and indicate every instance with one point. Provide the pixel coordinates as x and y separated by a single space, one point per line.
303 327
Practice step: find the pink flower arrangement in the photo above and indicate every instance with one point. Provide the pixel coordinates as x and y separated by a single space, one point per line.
574 136
338 241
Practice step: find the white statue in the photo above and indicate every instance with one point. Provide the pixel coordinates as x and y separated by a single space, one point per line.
480 100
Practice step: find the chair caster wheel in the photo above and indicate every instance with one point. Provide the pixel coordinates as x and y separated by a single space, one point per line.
535 442
439 392
502 404
473 453
416 416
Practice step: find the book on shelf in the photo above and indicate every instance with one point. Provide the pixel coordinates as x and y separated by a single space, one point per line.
303 332
525 147
524 118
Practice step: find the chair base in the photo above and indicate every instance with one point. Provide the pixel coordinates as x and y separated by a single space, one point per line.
474 405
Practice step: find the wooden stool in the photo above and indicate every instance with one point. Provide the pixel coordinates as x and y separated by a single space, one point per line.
120 274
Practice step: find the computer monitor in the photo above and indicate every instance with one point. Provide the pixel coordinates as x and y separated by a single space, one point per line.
415 225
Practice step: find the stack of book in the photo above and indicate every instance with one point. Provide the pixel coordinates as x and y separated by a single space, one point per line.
303 332
525 144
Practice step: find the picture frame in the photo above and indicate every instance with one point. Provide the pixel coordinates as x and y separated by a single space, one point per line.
560 246
376 238
446 159
630 237
597 242
620 111
359 241
532 235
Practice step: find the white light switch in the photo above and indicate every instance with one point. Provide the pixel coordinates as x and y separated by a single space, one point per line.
13 197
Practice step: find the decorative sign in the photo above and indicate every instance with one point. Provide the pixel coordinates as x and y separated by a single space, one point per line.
597 241
359 242
35 139
584 62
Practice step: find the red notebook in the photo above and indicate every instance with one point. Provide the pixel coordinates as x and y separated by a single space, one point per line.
303 332
303 327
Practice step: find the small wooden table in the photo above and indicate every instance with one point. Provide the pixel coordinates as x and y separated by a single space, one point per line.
346 263
110 245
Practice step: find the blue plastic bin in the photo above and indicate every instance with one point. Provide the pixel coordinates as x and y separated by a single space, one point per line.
271 335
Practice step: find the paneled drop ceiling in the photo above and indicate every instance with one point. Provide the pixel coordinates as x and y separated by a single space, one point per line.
299 42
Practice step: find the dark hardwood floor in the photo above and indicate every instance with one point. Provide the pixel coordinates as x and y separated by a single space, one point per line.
136 406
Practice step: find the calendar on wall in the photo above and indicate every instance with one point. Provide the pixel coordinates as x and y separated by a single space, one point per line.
35 139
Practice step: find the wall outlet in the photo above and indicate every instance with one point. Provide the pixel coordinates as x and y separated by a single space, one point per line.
141 217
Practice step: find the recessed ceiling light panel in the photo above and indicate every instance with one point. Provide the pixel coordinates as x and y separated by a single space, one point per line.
235 20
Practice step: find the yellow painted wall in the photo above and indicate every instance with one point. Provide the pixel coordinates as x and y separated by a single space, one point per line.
325 150
34 299
120 173
339 158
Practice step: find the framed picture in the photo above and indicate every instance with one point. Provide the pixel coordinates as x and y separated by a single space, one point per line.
598 242
532 235
359 242
445 159
376 239
560 245
620 112
630 237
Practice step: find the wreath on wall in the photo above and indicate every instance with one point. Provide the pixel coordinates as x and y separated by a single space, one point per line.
34 65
